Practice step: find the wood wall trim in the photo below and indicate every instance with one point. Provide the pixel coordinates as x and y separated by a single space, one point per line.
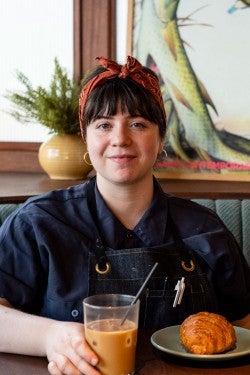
94 33
19 157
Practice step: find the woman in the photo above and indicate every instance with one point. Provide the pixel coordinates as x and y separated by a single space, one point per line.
105 235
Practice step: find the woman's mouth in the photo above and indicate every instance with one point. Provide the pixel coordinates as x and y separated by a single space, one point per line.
121 159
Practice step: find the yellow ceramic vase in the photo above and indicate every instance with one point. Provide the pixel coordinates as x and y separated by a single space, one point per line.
62 157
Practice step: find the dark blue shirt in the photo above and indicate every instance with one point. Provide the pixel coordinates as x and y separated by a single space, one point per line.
45 245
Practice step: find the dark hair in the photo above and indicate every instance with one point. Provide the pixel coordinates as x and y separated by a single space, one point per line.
132 96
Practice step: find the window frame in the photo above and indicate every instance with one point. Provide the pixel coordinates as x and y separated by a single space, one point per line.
89 17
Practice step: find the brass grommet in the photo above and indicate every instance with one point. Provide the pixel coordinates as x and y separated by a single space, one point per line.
105 271
188 268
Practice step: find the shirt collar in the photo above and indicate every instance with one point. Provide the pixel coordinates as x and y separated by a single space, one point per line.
151 228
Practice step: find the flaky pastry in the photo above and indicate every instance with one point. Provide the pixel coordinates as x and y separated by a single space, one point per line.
207 333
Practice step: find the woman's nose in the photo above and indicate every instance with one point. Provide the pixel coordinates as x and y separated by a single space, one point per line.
120 135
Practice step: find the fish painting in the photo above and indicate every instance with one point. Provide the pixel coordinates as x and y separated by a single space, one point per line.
192 137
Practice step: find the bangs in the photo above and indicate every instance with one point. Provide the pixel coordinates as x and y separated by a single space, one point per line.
104 100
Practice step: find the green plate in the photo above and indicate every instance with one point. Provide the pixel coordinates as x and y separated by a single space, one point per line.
168 340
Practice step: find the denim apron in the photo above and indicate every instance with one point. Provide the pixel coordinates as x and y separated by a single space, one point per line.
124 270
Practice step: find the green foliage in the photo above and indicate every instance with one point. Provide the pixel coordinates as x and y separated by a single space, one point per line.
55 107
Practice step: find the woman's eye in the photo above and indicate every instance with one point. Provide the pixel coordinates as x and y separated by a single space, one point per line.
138 125
103 126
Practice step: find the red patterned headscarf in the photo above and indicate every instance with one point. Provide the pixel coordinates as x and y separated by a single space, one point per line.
132 69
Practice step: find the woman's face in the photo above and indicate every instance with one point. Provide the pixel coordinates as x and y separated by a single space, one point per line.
123 149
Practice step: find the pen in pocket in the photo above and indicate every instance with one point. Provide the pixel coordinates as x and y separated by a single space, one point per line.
180 287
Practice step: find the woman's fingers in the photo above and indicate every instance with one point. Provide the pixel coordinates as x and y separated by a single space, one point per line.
72 364
61 365
53 369
82 348
68 352
82 357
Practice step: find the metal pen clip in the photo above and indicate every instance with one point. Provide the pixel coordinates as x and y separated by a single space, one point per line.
164 286
179 287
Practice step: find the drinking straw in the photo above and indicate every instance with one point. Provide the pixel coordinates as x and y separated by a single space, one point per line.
139 292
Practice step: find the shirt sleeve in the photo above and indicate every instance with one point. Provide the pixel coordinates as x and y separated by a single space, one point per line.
44 255
19 262
228 270
232 282
226 267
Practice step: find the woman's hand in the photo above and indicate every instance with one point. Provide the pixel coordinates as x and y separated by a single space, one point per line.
63 343
68 352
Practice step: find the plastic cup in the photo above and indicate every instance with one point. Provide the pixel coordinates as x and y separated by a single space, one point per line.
113 342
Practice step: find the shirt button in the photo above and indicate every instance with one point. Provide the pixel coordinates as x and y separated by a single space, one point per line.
129 234
75 313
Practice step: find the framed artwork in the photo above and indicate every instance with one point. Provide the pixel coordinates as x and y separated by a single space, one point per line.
200 51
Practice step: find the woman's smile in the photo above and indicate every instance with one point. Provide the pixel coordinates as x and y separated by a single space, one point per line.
122 158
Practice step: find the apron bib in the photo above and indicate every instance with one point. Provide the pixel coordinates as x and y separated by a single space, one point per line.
129 268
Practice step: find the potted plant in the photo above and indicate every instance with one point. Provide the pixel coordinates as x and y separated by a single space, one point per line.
55 107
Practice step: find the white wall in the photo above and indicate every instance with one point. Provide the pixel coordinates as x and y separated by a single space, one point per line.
32 34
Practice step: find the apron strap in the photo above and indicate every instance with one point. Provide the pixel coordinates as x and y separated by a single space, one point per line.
102 264
186 253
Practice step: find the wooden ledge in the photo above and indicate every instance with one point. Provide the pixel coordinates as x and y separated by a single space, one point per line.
17 187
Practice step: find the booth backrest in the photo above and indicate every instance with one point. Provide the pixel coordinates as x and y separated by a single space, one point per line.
235 213
6 209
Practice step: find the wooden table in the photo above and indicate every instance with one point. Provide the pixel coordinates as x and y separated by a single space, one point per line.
17 187
150 361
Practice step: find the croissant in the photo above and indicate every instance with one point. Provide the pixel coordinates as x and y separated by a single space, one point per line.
207 333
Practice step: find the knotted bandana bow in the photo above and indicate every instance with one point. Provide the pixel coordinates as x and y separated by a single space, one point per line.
132 69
